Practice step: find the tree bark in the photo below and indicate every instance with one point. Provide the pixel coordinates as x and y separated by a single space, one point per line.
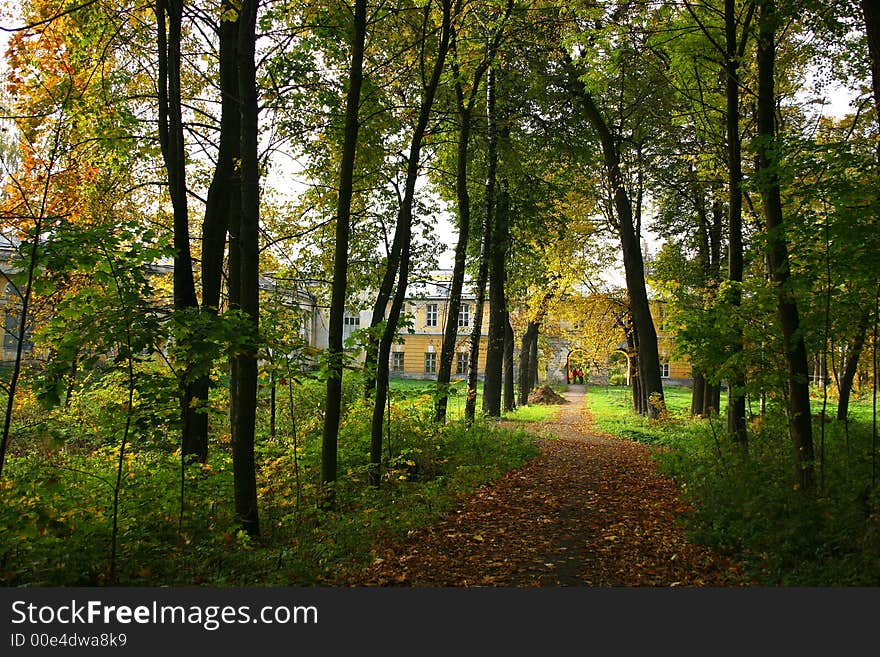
243 465
529 338
533 361
169 18
698 390
404 228
845 385
470 405
492 385
800 427
335 349
871 15
463 205
633 264
736 401
509 391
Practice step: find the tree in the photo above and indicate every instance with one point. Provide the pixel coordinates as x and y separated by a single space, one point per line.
464 105
800 419
335 350
404 229
732 50
169 20
245 390
634 267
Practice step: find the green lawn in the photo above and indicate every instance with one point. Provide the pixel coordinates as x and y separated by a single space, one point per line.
415 388
746 505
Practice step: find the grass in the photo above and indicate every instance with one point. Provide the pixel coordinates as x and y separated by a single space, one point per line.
57 491
746 504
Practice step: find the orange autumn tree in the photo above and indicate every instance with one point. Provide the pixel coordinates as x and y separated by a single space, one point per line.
71 165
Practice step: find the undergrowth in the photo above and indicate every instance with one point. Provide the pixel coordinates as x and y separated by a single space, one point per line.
57 492
746 505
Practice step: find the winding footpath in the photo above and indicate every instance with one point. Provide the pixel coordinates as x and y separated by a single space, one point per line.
589 510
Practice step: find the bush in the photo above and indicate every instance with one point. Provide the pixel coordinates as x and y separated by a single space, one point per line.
746 505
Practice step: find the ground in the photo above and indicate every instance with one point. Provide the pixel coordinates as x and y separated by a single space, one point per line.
589 510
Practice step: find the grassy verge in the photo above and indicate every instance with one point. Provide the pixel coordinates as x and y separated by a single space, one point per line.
746 505
56 517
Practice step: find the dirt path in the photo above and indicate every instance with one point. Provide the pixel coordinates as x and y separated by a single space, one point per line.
589 510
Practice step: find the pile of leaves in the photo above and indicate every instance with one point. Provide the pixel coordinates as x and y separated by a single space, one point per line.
546 395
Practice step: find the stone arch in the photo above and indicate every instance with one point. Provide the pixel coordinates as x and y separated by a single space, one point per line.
571 360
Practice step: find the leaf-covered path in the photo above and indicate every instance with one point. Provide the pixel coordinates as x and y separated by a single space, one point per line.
589 510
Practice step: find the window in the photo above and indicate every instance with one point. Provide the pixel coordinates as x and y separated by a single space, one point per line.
664 370
431 314
350 323
461 362
430 362
464 315
397 361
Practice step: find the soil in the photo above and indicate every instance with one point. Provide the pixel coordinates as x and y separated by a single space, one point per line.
546 395
590 511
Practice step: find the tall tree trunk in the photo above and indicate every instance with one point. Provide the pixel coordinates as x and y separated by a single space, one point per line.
529 338
712 394
335 348
632 347
218 209
492 385
704 258
533 361
698 390
470 405
800 427
736 400
224 184
169 18
463 205
509 391
243 465
871 15
633 263
404 228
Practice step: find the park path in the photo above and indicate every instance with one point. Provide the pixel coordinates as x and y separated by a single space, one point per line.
589 510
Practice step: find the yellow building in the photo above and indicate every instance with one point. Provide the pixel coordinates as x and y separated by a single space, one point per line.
674 369
418 353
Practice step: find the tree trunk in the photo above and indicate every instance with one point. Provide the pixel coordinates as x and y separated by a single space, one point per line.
335 349
529 338
509 392
243 465
698 390
736 401
174 156
852 363
450 329
871 14
470 406
800 427
218 208
533 361
404 228
463 204
711 400
492 385
633 264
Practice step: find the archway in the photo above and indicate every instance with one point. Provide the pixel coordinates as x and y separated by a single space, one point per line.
577 358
